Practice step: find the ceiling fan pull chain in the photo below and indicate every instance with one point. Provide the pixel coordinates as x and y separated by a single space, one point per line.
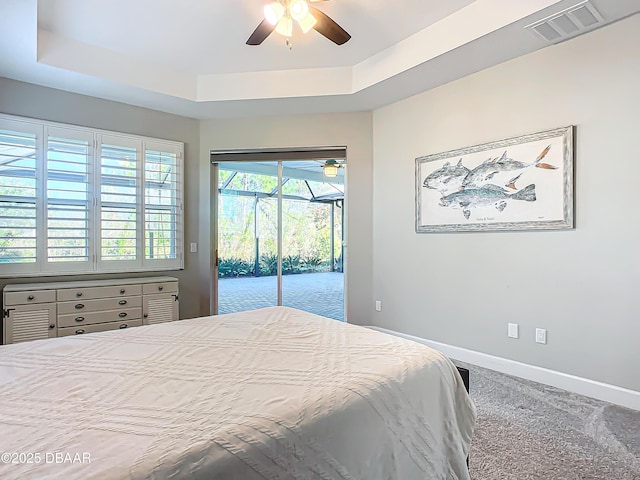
289 43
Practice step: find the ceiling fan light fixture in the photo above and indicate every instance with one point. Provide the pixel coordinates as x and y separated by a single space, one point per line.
285 26
280 15
273 12
307 22
299 9
330 168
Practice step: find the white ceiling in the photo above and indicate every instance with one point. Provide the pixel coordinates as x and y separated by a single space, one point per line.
190 58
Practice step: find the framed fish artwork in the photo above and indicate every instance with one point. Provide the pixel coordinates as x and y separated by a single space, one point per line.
520 183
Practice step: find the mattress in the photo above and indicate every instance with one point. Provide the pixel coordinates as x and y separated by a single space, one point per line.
275 393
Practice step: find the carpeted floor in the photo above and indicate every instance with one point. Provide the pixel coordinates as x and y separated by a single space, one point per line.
530 431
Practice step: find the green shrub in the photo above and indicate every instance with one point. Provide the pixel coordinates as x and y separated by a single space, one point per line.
234 267
338 264
312 261
291 264
268 264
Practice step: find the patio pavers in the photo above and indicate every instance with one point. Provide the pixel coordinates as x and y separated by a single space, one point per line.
319 293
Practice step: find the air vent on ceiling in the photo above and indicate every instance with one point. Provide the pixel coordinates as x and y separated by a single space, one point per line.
567 23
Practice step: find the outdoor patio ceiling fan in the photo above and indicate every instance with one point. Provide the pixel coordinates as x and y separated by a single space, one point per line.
279 15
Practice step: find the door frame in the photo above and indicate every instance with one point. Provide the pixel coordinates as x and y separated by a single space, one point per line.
280 155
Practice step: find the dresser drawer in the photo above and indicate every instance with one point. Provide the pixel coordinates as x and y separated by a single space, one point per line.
81 306
99 327
69 294
30 296
163 287
90 318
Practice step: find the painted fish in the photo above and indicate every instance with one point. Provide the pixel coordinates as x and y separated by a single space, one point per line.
486 196
447 179
503 171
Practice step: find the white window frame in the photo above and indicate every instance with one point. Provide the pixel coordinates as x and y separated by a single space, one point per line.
120 265
42 267
166 147
12 124
52 268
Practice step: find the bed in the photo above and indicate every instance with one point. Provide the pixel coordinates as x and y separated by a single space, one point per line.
274 393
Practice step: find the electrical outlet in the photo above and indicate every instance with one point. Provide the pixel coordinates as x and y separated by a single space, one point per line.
378 306
541 335
512 330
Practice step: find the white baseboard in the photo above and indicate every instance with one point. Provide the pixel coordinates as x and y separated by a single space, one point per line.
583 386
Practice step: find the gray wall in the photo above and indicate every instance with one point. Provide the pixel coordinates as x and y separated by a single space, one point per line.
581 285
27 100
352 130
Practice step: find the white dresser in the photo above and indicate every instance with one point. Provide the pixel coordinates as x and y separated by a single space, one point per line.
44 310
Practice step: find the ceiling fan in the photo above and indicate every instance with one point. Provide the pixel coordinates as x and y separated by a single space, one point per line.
279 15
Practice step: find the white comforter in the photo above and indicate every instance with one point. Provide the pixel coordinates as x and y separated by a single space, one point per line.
276 393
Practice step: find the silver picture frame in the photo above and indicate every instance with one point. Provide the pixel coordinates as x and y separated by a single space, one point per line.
519 183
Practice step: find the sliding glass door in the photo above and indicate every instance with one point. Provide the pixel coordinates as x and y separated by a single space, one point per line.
279 236
247 237
312 241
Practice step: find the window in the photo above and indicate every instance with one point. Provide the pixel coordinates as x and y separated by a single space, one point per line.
161 203
67 173
75 200
18 204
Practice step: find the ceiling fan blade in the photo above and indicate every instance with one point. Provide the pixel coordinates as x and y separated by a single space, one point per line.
330 29
261 32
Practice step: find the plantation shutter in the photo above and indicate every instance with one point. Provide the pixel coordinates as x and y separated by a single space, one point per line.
77 200
69 200
19 187
119 203
163 229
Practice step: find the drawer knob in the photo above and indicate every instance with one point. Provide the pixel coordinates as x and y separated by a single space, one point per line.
160 288
122 314
145 315
80 331
79 294
79 319
79 305
122 290
30 297
124 325
122 302
52 325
